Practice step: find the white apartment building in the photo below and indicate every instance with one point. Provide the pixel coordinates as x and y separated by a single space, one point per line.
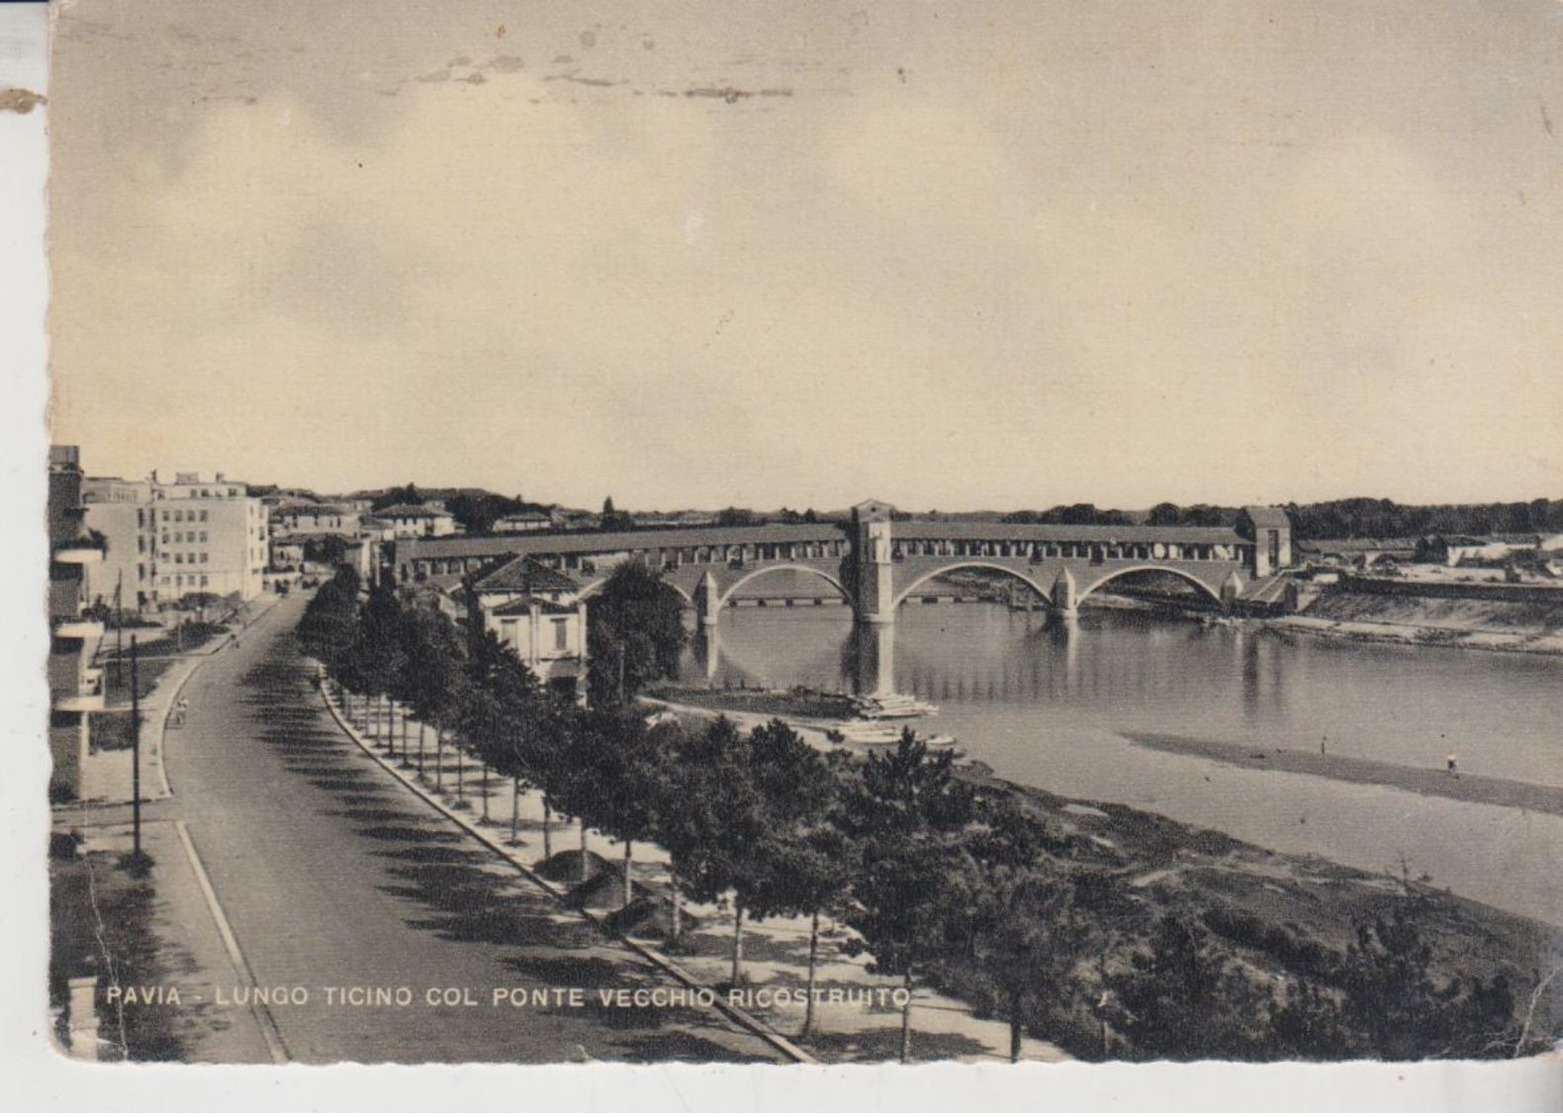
171 539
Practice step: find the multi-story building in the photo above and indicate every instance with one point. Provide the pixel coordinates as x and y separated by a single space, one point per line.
518 522
301 518
75 689
117 510
174 539
417 521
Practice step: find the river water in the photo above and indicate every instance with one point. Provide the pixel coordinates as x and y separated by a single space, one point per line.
1048 703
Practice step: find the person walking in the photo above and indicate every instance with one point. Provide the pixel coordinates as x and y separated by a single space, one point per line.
1453 766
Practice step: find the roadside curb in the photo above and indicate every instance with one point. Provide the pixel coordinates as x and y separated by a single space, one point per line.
651 954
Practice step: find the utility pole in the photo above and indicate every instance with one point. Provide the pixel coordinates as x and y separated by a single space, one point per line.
135 750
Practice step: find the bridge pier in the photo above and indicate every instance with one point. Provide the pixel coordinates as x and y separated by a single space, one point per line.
1066 600
709 650
874 661
708 600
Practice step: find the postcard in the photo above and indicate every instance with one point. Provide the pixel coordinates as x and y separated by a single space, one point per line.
828 534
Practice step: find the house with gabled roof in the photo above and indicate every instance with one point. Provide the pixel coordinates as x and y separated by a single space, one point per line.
537 611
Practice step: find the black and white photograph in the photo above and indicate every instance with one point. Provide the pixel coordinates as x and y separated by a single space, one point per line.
834 534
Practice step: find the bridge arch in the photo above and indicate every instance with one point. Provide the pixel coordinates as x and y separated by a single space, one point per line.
771 569
1214 593
969 564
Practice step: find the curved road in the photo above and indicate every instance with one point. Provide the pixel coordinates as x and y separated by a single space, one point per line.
332 875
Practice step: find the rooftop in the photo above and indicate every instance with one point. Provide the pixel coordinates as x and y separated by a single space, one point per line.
527 576
409 511
1264 516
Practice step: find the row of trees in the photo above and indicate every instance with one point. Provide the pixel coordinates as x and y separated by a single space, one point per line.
761 821
1368 518
937 877
1353 518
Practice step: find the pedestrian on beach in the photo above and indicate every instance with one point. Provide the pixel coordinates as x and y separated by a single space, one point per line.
1454 766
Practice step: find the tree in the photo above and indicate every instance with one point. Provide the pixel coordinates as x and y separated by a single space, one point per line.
378 654
1402 1011
805 863
407 494
635 633
1026 933
719 820
618 762
794 790
737 517
908 812
328 629
327 550
1177 1001
614 520
432 670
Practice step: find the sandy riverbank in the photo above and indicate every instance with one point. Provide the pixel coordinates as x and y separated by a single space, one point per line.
1536 629
1423 781
1269 908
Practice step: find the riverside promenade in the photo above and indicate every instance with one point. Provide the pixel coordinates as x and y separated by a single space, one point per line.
856 1018
289 861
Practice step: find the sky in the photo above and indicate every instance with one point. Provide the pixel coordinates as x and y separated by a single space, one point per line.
952 256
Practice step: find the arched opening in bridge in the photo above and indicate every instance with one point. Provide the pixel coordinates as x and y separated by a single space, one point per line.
1157 585
784 586
592 589
976 581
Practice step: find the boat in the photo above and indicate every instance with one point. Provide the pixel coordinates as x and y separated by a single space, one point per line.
884 706
868 733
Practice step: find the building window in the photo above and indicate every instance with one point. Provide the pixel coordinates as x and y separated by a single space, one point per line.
561 635
203 515
203 537
203 579
203 558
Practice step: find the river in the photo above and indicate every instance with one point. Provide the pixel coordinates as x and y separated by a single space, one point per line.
1048 703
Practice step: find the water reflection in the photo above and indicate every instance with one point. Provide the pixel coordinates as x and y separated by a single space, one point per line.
1121 672
1047 701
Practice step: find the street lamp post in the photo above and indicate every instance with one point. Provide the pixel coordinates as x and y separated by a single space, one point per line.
135 750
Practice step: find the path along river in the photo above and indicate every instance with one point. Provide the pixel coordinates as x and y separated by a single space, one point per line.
1054 705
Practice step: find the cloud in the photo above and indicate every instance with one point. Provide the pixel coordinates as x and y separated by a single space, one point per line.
976 286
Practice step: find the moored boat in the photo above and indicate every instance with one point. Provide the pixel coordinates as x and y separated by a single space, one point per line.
887 706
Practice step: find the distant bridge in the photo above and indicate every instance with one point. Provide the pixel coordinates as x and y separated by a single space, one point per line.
878 562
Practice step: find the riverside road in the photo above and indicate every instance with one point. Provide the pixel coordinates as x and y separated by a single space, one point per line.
333 877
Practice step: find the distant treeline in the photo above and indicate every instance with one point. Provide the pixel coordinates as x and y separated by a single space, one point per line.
1366 518
1352 518
1163 515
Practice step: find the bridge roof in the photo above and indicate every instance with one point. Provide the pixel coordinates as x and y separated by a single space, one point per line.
613 542
1063 533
